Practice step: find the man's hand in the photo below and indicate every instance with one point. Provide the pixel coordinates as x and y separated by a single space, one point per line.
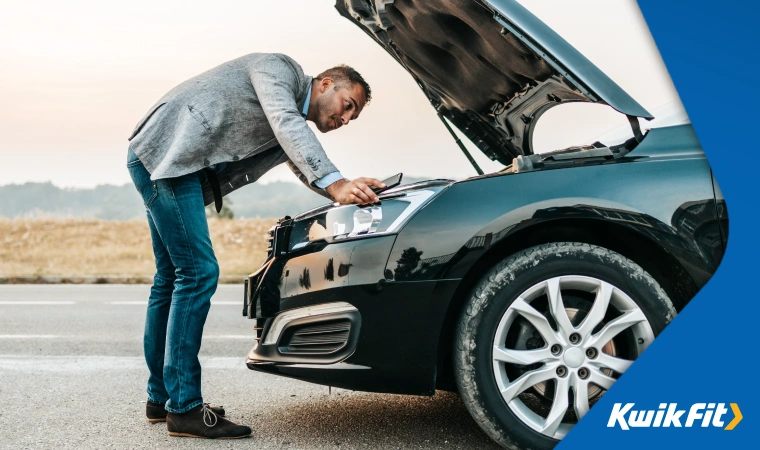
354 191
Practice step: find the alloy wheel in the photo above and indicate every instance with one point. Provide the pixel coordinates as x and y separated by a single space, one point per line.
575 353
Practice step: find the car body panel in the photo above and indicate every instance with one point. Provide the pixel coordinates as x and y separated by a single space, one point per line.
721 211
359 262
406 286
314 277
397 347
491 68
661 182
566 59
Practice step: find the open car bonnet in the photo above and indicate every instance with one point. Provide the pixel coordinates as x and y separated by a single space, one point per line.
490 67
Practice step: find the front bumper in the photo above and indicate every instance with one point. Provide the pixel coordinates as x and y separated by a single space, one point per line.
396 347
386 342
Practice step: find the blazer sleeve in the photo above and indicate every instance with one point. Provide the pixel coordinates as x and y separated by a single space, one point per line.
276 84
303 179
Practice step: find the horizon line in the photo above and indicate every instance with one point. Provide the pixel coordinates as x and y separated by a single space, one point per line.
296 182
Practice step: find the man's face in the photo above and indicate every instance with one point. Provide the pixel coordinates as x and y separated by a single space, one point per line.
336 107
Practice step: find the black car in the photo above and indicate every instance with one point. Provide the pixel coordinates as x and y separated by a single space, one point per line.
529 290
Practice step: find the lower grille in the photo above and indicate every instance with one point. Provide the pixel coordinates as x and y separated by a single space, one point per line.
317 339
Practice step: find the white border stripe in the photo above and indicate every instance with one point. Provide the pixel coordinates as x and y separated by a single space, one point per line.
40 302
28 336
144 302
231 336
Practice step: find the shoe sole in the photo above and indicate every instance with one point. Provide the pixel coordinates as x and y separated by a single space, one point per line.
175 434
163 419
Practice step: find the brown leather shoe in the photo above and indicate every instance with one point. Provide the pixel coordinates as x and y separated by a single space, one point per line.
156 412
203 422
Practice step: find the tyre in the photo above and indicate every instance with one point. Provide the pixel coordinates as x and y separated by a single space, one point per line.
546 332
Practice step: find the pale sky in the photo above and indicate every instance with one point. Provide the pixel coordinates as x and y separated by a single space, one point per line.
76 76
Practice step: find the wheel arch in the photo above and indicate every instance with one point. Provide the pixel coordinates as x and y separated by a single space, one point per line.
632 244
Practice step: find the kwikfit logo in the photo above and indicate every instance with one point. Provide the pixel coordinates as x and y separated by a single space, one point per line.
668 415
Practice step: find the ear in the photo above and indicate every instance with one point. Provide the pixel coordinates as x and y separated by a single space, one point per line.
325 83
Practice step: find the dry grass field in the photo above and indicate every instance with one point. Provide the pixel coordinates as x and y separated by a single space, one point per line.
100 248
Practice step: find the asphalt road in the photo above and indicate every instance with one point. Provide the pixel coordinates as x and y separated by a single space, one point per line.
72 375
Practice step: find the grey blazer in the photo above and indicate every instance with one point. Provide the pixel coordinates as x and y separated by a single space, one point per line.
245 112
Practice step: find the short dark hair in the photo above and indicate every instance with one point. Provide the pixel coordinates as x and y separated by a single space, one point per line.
343 75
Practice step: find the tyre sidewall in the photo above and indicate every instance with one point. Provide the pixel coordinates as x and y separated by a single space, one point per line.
506 281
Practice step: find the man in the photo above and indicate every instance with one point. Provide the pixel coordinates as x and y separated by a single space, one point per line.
208 136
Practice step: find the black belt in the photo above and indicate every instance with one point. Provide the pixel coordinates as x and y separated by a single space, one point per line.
214 182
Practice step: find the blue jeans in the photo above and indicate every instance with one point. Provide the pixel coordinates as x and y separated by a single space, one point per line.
186 278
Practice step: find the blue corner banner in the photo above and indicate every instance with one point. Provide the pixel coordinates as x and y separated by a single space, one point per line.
698 382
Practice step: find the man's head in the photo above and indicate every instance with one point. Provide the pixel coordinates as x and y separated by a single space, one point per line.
338 95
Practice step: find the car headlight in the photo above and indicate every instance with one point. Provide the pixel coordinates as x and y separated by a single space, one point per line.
333 224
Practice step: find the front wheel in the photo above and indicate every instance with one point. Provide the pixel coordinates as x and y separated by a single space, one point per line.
546 332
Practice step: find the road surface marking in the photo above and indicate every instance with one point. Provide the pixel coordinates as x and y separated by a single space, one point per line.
145 302
28 336
37 302
75 363
230 336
